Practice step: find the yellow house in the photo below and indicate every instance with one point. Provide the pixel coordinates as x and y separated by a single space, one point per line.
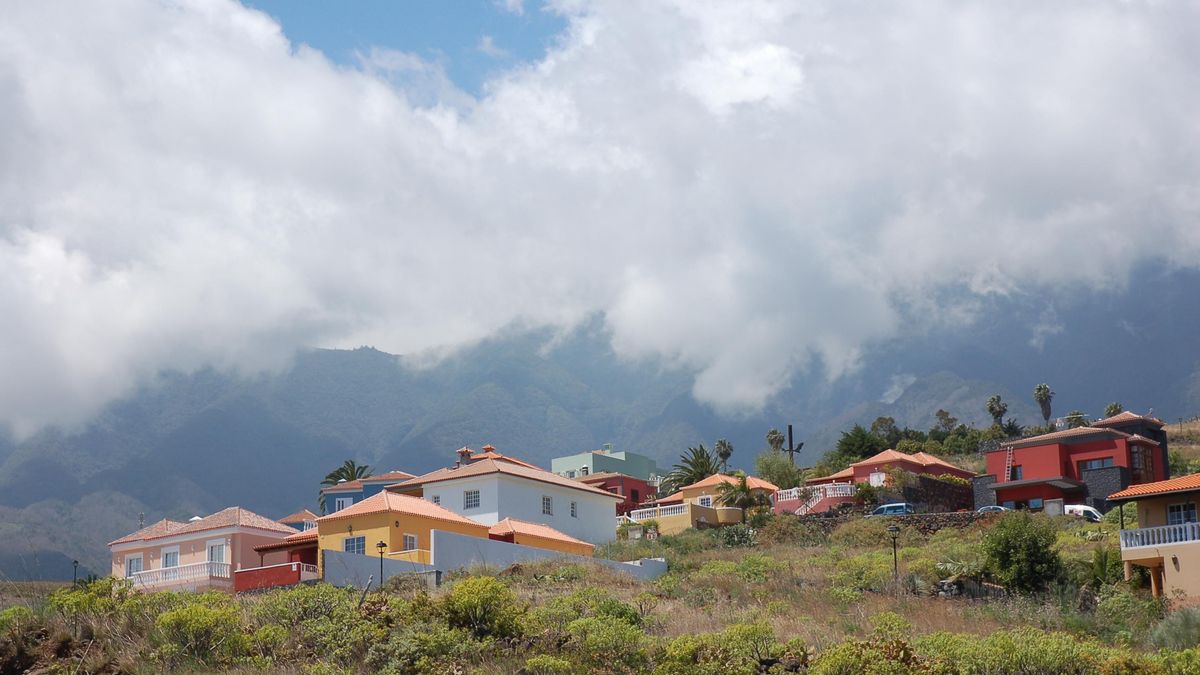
401 522
699 504
1167 540
537 535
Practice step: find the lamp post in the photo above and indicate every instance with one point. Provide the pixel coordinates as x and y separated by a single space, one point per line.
382 546
894 531
75 573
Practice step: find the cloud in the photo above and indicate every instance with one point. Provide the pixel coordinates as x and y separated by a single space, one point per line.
487 45
742 191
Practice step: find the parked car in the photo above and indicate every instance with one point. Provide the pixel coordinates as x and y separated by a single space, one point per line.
897 509
993 508
1082 511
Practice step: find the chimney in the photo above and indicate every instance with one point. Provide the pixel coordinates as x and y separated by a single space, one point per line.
489 448
464 456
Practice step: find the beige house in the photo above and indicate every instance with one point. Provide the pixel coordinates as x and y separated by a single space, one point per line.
698 505
198 555
1167 540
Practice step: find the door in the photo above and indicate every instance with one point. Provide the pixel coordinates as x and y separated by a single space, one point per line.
216 553
133 565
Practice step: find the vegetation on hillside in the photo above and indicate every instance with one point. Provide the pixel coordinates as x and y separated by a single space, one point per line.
791 596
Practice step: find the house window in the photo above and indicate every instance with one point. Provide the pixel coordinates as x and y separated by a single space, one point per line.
633 494
547 506
1015 473
877 478
706 500
1035 504
436 499
1009 505
574 510
470 499
170 558
583 471
410 542
342 502
1088 464
1177 514
570 474
216 552
355 545
133 565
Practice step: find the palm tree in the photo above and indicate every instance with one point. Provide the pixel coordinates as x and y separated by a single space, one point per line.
1043 396
1076 419
1113 409
349 470
738 494
775 439
724 450
694 466
997 409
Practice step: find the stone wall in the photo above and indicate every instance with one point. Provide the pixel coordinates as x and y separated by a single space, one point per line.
937 496
925 523
984 494
1103 482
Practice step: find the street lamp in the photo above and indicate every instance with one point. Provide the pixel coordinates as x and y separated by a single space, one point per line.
75 573
894 531
382 547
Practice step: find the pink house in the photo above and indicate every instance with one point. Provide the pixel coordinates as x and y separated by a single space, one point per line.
198 555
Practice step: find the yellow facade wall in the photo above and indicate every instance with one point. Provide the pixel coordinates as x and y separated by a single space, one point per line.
583 549
390 528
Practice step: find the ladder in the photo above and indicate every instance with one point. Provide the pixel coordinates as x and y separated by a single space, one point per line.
1008 464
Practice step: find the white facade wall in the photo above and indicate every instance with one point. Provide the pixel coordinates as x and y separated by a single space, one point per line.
503 496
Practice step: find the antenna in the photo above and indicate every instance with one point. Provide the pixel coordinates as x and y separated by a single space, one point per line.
141 520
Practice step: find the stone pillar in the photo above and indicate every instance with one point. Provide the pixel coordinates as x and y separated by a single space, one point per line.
1128 571
1155 582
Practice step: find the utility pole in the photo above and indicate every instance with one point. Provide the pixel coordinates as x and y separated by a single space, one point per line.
792 448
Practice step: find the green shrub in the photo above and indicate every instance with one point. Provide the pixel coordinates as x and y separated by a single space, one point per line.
872 533
890 626
423 648
866 657
606 644
207 632
544 664
484 606
1186 662
1179 631
323 619
15 618
1015 652
741 649
867 572
1019 551
789 529
737 536
1126 616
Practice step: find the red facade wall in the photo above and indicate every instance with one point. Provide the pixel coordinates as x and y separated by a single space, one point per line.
625 486
306 555
265 577
1057 459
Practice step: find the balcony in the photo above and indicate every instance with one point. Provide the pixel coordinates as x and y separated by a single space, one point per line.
270 576
1160 536
194 576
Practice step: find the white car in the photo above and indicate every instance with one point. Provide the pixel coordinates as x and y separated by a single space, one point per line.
1082 511
993 508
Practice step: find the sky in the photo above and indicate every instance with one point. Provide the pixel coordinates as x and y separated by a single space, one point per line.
743 190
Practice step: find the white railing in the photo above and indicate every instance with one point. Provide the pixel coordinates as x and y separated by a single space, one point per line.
165 576
621 520
815 494
1159 536
658 512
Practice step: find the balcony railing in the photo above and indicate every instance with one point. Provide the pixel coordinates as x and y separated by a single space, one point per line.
813 495
1160 536
182 574
658 512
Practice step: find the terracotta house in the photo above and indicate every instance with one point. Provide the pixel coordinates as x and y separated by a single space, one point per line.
539 536
1167 539
697 505
633 491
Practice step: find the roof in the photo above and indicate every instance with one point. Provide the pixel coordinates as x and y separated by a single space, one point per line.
489 452
1127 417
388 502
489 466
605 475
298 517
1188 483
358 483
234 516
923 458
344 486
677 497
931 460
297 539
391 476
514 526
719 478
848 472
889 455
1065 434
1060 482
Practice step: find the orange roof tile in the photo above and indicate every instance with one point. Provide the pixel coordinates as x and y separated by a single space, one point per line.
719 478
848 472
512 525
296 539
151 531
888 455
484 467
298 517
605 475
1125 418
234 516
1055 436
344 485
388 476
390 501
677 497
1188 483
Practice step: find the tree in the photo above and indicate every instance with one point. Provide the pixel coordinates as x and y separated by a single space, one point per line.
773 468
1113 409
775 439
349 470
694 466
1076 418
739 494
856 444
997 409
1042 395
1019 550
1012 428
945 421
724 450
885 428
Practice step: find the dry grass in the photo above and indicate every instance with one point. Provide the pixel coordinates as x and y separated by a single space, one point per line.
1185 439
27 593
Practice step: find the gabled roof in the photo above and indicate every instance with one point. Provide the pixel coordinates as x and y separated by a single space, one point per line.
924 459
490 466
1126 417
357 484
888 455
605 475
1064 435
931 460
388 502
719 478
234 516
290 541
489 452
1188 483
300 516
847 473
514 526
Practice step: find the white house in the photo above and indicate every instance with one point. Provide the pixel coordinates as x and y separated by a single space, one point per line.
488 487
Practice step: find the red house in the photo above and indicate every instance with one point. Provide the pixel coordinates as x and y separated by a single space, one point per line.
634 490
873 470
1078 466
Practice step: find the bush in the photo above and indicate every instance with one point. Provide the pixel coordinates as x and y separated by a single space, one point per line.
737 536
544 664
484 606
322 619
1179 631
1019 551
423 648
790 530
207 632
607 644
873 657
15 619
741 649
872 533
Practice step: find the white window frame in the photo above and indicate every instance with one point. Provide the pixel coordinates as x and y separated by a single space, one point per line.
470 496
208 546
340 503
346 544
167 550
705 500
574 509
1183 508
877 478
411 538
547 505
141 564
436 499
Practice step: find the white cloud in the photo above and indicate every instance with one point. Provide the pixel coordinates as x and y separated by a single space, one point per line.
487 45
743 190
